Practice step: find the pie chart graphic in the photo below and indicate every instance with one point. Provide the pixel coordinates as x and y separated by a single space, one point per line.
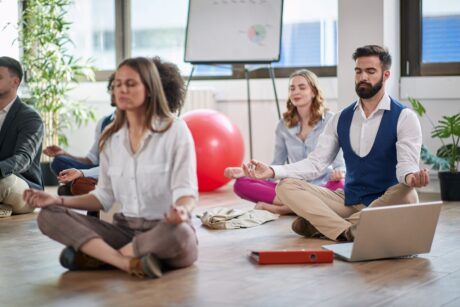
257 34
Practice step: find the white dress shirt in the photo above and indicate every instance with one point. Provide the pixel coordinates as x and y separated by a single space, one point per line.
4 112
362 136
289 148
148 182
93 154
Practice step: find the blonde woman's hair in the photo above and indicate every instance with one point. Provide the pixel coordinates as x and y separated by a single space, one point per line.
317 109
156 105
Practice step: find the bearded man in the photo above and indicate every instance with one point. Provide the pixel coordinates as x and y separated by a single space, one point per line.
381 141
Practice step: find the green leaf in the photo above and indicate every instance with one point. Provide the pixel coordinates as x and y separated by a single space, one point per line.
51 68
437 163
417 106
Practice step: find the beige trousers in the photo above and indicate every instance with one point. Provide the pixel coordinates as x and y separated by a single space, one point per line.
11 190
326 210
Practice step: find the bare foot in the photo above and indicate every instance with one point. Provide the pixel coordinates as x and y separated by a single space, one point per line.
233 172
277 209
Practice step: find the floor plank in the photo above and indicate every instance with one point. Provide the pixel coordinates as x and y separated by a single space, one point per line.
30 274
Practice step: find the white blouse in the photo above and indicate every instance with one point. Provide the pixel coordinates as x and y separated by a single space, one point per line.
148 182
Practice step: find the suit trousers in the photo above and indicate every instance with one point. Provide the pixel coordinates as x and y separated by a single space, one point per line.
11 190
326 210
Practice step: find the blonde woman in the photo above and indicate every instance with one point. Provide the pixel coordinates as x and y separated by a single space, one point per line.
296 137
148 165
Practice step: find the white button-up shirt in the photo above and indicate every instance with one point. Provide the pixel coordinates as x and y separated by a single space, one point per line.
362 136
148 182
290 148
4 112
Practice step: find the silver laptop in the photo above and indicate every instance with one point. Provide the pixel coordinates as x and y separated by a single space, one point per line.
391 232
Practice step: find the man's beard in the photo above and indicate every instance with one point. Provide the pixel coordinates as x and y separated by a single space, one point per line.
369 90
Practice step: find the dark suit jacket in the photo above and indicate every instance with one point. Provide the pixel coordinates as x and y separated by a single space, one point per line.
21 139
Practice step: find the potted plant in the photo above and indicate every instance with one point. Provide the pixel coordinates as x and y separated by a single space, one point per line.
447 157
50 70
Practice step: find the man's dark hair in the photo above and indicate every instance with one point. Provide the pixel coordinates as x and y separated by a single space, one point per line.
374 50
13 66
173 84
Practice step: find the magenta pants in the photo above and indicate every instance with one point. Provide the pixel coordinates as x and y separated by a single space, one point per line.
256 190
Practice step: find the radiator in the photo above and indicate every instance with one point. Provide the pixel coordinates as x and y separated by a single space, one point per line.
199 99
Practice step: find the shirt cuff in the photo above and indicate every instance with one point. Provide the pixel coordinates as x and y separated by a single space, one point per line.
93 158
279 171
181 192
105 200
402 179
91 172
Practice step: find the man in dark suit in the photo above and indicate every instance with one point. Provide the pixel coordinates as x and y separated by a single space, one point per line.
21 136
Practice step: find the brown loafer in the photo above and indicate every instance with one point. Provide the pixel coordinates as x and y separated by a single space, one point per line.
304 228
77 260
348 235
148 266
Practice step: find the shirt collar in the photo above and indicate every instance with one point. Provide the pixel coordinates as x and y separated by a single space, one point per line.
384 104
122 134
8 106
296 129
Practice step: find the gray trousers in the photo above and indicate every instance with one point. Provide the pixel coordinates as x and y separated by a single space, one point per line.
175 245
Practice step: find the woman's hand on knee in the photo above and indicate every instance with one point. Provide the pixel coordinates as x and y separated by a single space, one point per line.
53 151
176 215
69 175
39 199
337 175
258 170
234 172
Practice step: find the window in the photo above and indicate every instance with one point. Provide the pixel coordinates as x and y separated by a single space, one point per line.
309 33
440 31
8 28
430 43
156 27
93 32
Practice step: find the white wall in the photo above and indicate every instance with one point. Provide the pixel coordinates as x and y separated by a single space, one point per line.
231 100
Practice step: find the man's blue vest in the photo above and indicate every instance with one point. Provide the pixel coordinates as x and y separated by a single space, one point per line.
367 178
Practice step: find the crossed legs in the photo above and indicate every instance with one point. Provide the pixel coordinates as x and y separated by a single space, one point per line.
325 209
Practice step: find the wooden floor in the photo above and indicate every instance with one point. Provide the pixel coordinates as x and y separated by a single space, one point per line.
30 274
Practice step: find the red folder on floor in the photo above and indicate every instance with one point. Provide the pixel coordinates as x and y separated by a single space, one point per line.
292 256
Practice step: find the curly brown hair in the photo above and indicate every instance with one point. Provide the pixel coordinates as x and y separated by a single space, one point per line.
156 104
173 84
317 109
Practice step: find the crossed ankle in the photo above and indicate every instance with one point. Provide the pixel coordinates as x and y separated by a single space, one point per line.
346 236
146 267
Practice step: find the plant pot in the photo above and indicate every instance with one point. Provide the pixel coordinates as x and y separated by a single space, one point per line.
49 178
450 185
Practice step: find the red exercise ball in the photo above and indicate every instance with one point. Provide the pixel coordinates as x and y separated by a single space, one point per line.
218 144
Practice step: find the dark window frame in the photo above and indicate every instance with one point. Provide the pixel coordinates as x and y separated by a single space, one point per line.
411 45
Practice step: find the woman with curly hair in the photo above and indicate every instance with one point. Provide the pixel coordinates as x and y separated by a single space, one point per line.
296 136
